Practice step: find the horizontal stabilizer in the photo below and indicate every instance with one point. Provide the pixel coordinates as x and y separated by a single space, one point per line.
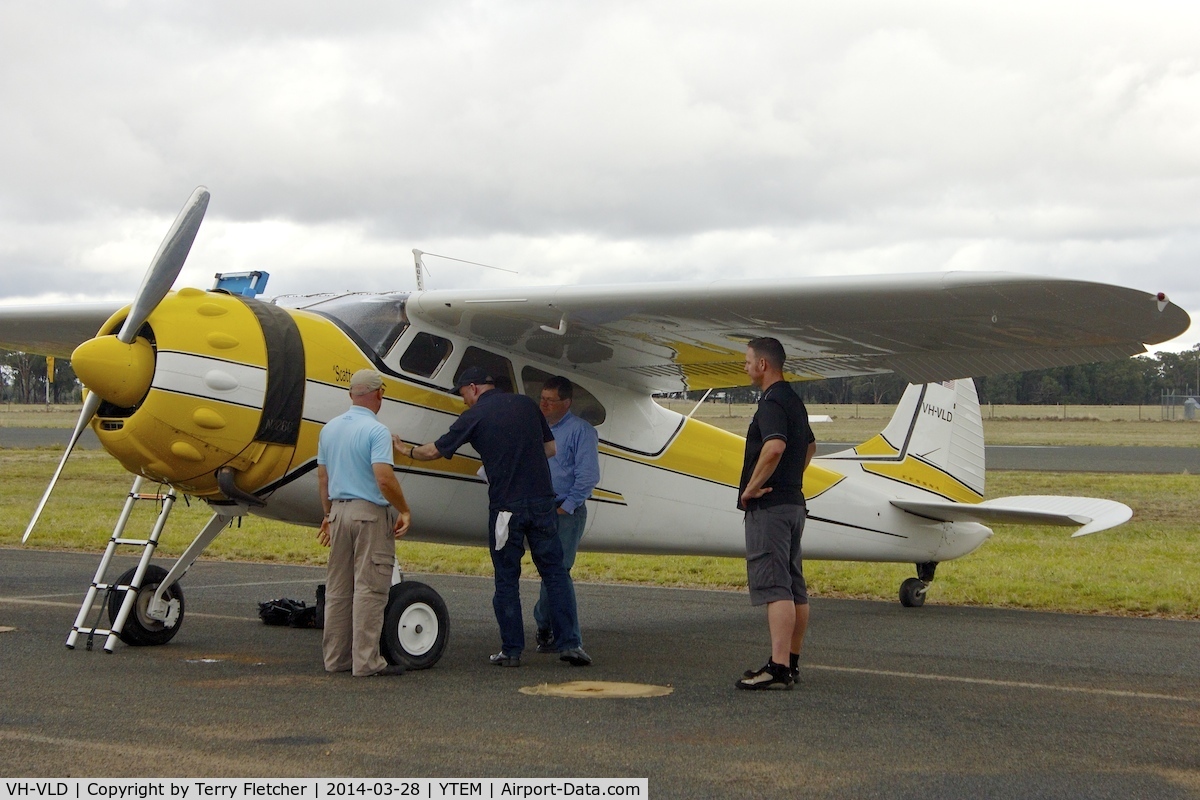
1091 513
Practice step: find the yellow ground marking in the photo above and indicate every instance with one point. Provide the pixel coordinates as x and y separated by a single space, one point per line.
597 689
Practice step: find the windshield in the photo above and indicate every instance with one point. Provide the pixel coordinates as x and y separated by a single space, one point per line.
377 319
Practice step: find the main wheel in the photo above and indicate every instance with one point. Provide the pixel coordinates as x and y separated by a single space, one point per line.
912 592
416 626
140 630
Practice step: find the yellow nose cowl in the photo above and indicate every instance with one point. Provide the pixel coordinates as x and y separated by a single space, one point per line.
120 373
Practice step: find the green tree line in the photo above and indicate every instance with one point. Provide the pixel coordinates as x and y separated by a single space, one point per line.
23 379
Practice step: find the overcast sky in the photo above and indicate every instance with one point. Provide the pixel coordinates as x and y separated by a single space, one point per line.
599 142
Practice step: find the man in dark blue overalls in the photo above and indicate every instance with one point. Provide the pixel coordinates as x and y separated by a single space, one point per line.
513 440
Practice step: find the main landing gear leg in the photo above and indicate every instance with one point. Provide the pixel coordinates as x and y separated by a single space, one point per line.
159 607
913 590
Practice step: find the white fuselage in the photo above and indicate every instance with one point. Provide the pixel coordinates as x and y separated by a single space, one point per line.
655 508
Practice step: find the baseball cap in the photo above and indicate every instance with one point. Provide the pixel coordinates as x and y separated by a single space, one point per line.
476 375
366 381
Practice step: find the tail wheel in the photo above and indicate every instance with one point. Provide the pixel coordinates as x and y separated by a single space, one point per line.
912 592
416 626
140 629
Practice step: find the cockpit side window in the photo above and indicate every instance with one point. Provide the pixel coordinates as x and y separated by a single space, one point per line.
377 319
425 354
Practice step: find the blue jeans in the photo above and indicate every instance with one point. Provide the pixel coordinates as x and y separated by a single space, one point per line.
536 522
570 531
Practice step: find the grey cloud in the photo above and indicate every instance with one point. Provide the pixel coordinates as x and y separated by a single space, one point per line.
766 137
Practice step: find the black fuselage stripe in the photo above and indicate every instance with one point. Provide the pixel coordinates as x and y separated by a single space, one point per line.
283 404
311 465
856 527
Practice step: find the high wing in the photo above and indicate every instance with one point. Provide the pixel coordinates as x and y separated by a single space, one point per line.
690 335
52 330
925 327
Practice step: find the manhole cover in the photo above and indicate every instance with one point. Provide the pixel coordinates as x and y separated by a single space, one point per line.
597 689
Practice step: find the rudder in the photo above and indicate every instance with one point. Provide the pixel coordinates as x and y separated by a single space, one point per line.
938 424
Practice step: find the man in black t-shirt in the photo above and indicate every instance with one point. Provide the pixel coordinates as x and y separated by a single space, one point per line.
779 446
513 441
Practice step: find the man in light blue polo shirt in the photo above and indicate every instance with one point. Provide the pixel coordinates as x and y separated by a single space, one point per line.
365 512
575 471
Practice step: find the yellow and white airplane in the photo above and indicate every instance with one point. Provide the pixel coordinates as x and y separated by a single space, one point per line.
222 396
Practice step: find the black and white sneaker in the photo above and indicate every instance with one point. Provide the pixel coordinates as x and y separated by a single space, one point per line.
772 676
750 673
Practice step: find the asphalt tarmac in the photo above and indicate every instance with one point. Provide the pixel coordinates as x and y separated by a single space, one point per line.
1153 460
46 437
935 702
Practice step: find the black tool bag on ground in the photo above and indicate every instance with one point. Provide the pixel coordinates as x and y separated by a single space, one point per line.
279 611
286 611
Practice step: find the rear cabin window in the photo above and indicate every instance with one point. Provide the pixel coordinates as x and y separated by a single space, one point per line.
583 405
497 366
425 354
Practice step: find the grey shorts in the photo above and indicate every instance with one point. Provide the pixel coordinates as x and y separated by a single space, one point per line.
773 568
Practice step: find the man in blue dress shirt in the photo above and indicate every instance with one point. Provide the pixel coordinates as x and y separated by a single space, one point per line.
575 471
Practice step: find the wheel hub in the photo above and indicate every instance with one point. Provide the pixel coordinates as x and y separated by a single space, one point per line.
418 629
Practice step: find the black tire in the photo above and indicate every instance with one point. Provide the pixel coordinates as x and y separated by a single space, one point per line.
912 593
416 626
140 630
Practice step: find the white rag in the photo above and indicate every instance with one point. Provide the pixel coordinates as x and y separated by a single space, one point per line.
502 518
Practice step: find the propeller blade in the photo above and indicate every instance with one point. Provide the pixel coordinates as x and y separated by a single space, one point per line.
167 263
160 277
90 405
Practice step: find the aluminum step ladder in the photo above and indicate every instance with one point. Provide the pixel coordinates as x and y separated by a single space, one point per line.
99 582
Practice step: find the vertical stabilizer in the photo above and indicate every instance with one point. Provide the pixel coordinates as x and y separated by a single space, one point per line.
938 425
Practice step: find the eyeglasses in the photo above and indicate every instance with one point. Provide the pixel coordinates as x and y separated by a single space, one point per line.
549 400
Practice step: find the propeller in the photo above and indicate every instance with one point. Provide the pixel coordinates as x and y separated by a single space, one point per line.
164 269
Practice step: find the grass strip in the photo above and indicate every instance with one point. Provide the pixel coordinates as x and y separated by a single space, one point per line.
1148 567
